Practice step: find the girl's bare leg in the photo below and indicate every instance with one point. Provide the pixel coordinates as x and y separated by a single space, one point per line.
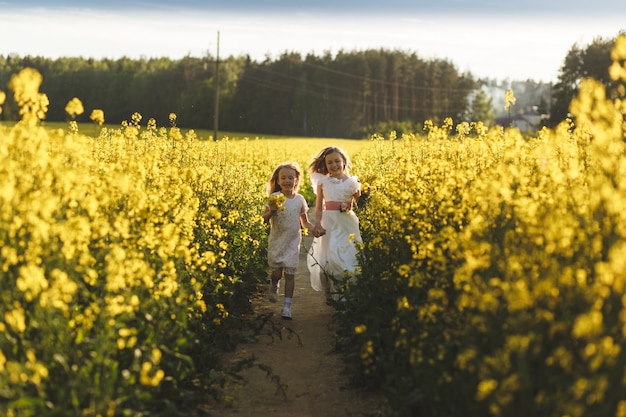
290 283
277 274
289 286
275 278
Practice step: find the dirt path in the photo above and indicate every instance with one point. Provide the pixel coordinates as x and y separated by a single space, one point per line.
311 372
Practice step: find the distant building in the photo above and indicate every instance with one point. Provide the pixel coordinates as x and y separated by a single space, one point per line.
529 119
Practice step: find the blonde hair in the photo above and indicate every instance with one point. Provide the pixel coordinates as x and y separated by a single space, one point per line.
319 162
272 184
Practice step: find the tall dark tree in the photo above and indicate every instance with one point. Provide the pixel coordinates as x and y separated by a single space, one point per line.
591 61
316 118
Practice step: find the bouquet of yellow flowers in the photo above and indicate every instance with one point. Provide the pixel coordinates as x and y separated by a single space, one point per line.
278 199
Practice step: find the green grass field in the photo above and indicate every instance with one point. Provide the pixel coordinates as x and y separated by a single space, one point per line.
91 129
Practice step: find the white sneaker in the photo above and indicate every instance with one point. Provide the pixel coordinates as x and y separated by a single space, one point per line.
286 314
273 294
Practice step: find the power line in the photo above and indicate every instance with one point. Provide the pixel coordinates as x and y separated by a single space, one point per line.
342 94
411 88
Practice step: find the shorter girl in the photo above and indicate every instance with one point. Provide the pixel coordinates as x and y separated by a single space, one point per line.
333 253
286 211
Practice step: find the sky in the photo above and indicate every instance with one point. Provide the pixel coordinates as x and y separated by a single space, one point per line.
496 39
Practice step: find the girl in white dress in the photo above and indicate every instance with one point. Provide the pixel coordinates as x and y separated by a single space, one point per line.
286 211
333 253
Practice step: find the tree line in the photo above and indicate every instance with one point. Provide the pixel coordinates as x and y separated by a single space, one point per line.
325 95
350 94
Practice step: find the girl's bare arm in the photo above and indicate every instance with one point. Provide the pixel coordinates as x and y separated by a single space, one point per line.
319 209
269 212
304 220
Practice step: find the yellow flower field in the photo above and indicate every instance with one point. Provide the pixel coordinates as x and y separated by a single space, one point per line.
492 269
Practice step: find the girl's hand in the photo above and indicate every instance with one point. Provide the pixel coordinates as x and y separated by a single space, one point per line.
318 231
269 212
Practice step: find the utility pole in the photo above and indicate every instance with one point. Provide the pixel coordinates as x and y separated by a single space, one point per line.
216 115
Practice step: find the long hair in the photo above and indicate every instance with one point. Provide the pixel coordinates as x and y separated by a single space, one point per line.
272 184
319 162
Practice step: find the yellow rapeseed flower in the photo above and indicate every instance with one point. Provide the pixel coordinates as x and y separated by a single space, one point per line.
403 270
61 291
150 380
621 409
31 281
74 108
136 118
485 388
429 125
278 200
97 116
586 325
618 52
509 99
156 356
16 318
201 305
175 134
38 370
167 287
117 305
403 303
25 85
73 127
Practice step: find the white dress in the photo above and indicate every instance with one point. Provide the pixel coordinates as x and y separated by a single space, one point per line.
335 253
283 247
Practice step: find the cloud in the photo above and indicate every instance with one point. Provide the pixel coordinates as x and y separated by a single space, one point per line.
355 7
487 45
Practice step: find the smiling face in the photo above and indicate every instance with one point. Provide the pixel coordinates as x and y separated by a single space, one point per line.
287 180
335 164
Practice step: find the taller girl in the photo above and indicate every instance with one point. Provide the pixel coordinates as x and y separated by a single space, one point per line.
333 254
